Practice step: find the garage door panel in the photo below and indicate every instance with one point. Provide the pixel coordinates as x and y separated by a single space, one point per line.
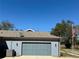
36 49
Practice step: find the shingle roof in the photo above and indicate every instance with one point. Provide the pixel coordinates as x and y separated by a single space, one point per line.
5 33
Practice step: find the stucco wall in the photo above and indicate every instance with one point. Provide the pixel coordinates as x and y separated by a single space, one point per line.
17 46
55 50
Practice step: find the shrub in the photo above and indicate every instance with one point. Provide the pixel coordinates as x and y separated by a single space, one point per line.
67 44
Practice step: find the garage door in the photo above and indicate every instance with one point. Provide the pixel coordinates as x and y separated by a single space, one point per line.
36 49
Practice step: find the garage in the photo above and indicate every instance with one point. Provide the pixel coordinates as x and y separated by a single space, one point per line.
34 48
32 43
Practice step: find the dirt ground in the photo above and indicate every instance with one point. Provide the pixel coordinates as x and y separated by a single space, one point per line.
39 57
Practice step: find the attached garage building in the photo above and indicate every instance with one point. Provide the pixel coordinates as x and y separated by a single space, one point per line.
32 43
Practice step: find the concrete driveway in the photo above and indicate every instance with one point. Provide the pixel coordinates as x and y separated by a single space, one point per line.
39 57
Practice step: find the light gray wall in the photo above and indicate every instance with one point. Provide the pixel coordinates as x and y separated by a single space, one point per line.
9 44
55 50
17 46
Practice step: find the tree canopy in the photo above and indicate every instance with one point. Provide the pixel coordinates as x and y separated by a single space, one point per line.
6 25
63 29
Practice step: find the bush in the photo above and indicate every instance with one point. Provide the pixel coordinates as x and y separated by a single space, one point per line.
67 44
78 42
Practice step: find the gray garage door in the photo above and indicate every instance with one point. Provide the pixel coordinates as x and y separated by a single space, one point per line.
36 49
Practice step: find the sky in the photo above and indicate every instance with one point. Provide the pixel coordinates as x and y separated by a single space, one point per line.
40 15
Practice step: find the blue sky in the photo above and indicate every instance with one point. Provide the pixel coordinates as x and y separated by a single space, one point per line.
40 15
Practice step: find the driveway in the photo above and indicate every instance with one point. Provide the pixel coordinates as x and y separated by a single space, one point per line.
39 57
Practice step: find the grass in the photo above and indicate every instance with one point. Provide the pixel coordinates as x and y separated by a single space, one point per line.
64 52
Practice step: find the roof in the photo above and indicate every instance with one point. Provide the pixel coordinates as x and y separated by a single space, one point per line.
24 34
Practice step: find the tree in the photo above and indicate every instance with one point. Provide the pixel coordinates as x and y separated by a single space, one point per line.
64 29
77 34
6 25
